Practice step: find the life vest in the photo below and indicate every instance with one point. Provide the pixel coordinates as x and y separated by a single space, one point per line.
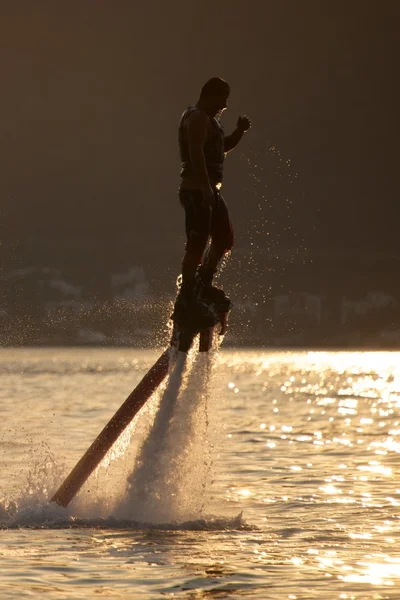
213 148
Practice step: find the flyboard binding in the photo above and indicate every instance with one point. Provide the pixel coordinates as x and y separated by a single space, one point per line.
210 309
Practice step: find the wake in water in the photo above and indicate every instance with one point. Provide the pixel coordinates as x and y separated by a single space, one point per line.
173 465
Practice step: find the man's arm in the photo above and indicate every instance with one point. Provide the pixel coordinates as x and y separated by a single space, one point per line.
197 127
231 141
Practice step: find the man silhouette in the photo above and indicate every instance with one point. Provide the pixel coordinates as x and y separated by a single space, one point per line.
203 147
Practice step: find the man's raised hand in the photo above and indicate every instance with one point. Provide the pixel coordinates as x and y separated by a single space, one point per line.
243 123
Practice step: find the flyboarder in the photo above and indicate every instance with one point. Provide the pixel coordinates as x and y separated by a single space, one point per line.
199 305
203 147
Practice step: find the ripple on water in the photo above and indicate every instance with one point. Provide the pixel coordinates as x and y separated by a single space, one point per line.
306 444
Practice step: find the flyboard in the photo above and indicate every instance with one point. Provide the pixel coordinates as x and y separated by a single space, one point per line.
185 330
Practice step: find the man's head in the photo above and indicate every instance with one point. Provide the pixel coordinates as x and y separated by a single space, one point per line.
214 94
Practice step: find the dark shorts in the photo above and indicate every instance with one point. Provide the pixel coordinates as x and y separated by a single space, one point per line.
203 223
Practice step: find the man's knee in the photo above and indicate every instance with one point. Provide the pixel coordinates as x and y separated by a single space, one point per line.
229 241
225 243
196 244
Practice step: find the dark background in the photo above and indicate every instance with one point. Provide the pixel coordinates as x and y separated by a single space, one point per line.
91 96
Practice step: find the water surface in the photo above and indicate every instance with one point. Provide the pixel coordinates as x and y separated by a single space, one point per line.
297 471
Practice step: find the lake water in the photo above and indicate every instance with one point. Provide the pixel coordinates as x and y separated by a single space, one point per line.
270 475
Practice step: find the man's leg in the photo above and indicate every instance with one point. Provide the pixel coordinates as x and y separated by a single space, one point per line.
221 241
198 227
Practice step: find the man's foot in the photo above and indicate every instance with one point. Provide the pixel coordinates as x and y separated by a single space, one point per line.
211 294
191 309
217 298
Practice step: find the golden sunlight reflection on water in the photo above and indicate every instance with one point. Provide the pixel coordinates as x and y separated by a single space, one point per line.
329 425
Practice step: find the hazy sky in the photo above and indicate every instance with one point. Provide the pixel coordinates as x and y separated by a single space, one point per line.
92 93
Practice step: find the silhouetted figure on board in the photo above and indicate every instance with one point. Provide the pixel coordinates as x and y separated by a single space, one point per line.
203 147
